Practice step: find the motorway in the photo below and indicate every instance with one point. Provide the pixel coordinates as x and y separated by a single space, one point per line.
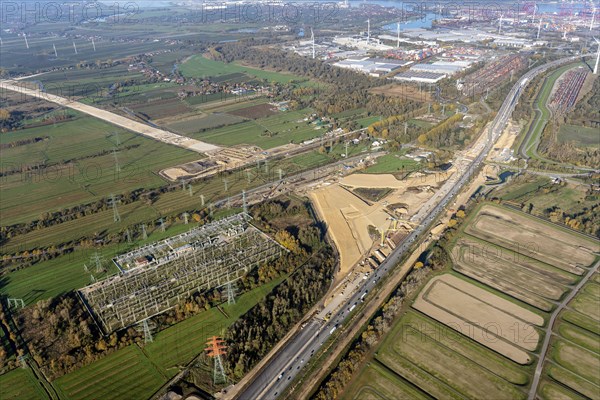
285 365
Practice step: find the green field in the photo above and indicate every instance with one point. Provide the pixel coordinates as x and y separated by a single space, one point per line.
65 273
194 125
391 163
199 66
376 381
581 135
444 363
125 374
573 361
92 174
275 130
20 384
134 373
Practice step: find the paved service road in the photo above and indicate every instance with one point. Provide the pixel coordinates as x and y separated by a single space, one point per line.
115 119
285 365
540 364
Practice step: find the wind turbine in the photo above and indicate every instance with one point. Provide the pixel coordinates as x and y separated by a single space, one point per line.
593 16
93 44
55 53
74 47
26 42
368 30
539 28
500 23
597 57
312 38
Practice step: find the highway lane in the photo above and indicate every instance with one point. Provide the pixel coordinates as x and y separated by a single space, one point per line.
289 361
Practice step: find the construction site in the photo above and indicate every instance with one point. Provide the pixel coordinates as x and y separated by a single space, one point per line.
156 277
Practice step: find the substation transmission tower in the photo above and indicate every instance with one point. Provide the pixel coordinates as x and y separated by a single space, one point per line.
113 203
216 349
147 333
245 204
15 303
231 289
96 260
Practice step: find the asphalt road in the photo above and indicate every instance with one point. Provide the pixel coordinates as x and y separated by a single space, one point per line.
286 364
540 364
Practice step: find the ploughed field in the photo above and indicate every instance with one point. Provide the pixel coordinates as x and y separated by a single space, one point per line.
475 330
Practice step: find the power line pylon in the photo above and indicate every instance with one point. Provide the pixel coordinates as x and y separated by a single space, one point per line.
230 292
113 203
144 233
147 333
97 261
245 206
216 349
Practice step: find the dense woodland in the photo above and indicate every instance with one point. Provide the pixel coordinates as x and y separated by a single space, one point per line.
310 266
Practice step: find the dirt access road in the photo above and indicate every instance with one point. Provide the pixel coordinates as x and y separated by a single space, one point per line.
131 125
548 331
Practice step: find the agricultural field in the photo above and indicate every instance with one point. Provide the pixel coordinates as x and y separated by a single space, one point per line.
135 372
573 364
483 320
79 166
196 124
125 374
377 382
50 278
582 136
199 66
21 384
444 363
487 317
392 163
268 132
510 272
497 226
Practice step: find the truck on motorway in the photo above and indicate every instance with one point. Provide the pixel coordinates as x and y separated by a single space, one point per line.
333 329
352 308
362 298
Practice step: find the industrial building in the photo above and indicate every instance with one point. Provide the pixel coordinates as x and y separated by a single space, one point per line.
442 67
372 66
416 76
